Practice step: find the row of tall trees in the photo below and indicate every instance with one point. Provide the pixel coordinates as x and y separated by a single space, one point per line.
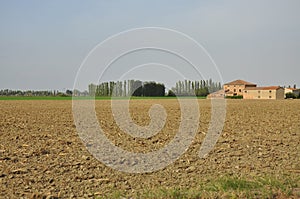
127 88
199 88
139 88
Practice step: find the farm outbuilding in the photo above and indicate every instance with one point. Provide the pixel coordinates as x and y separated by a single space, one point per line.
270 92
216 95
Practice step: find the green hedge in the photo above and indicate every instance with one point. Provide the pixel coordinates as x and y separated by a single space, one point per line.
235 97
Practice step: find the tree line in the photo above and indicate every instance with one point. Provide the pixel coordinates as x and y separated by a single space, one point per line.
9 92
127 88
199 88
138 88
130 88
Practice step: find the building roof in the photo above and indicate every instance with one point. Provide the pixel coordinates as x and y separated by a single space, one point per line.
293 89
264 88
229 92
240 82
218 92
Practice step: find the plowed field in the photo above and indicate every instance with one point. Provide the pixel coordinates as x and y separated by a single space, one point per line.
42 155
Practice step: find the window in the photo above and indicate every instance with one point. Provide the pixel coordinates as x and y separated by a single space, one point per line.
258 91
240 90
234 90
270 97
245 91
270 91
258 97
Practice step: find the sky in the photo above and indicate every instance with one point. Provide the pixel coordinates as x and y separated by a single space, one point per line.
44 43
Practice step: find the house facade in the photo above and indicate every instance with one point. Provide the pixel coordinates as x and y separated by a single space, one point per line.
237 87
271 92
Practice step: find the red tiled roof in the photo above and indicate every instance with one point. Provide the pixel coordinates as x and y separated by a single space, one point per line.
240 82
264 88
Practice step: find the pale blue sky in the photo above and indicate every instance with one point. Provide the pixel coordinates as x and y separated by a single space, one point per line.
43 43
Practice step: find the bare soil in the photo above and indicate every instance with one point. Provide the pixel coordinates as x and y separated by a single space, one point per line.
41 153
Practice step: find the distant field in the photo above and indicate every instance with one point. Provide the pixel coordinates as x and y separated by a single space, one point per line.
70 98
257 155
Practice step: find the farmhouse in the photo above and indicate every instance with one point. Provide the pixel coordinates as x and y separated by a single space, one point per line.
237 87
292 90
251 91
271 92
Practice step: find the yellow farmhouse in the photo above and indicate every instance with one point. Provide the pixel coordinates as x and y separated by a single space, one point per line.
236 88
250 91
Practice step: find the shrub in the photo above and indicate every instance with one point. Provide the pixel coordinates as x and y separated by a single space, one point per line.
171 94
235 97
62 95
290 96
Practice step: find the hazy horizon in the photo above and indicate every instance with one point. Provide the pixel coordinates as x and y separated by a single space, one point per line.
43 44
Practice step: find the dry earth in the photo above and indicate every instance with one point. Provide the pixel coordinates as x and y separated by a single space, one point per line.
41 152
